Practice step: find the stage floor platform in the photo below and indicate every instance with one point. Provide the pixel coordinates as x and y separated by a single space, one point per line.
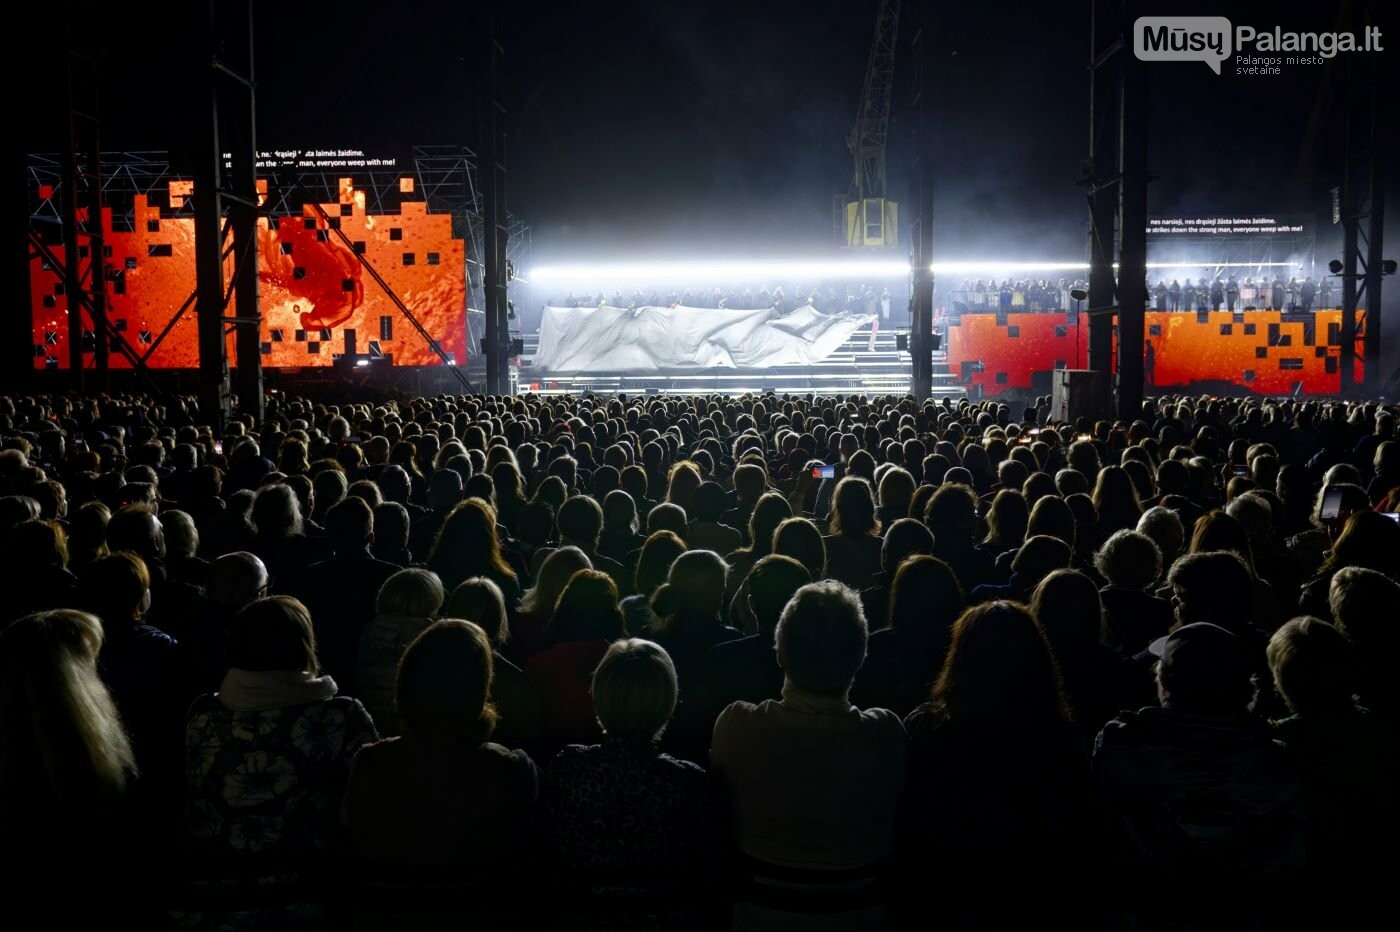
857 366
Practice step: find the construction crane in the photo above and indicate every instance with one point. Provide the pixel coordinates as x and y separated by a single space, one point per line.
871 220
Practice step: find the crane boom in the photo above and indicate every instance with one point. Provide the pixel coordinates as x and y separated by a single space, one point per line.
868 136
870 219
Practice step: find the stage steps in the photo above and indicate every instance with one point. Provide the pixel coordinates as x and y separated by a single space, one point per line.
857 366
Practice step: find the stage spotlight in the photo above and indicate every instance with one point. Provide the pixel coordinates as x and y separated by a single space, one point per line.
1388 267
1335 266
1079 294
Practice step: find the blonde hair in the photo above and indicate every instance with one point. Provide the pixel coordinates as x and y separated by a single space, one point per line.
634 689
479 600
59 728
411 593
553 576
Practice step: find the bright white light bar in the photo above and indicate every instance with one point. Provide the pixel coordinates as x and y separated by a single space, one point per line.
719 270
616 274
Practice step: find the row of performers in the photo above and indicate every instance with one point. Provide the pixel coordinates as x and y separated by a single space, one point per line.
1273 295
1165 295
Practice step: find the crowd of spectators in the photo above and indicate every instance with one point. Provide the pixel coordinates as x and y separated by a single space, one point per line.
755 662
1208 291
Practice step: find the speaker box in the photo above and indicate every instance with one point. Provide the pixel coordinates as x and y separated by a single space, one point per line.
1076 393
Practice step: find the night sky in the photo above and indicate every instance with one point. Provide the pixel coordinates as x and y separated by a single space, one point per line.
681 128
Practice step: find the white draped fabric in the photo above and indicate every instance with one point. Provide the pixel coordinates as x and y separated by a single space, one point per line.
654 339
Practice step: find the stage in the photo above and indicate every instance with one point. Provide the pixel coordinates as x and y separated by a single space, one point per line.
1267 353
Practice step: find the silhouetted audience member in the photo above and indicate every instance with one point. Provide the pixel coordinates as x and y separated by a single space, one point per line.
621 814
391 530
140 664
997 770
67 769
405 607
519 717
1360 600
37 553
468 546
905 657
705 531
952 517
746 669
529 634
904 538
619 537
1204 800
686 613
1098 682
765 515
1345 753
586 620
444 495
268 756
442 798
1039 556
813 781
340 592
234 580
1131 563
1369 541
853 543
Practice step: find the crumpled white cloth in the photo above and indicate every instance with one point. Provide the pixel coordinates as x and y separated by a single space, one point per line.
654 339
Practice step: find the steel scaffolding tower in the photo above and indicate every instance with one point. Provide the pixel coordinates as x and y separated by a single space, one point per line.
1363 216
226 204
1116 179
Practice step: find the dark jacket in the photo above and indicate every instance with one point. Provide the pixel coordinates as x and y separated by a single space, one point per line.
898 675
1200 799
1348 762
1134 618
341 594
744 670
1010 801
141 665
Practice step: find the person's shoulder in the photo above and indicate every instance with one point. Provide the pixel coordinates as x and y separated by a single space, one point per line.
501 664
205 705
735 645
737 713
381 567
607 563
925 719
682 772
346 708
1124 729
379 752
321 566
153 639
507 758
883 720
572 755
678 764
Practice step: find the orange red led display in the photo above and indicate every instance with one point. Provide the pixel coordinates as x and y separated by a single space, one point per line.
1265 352
314 290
